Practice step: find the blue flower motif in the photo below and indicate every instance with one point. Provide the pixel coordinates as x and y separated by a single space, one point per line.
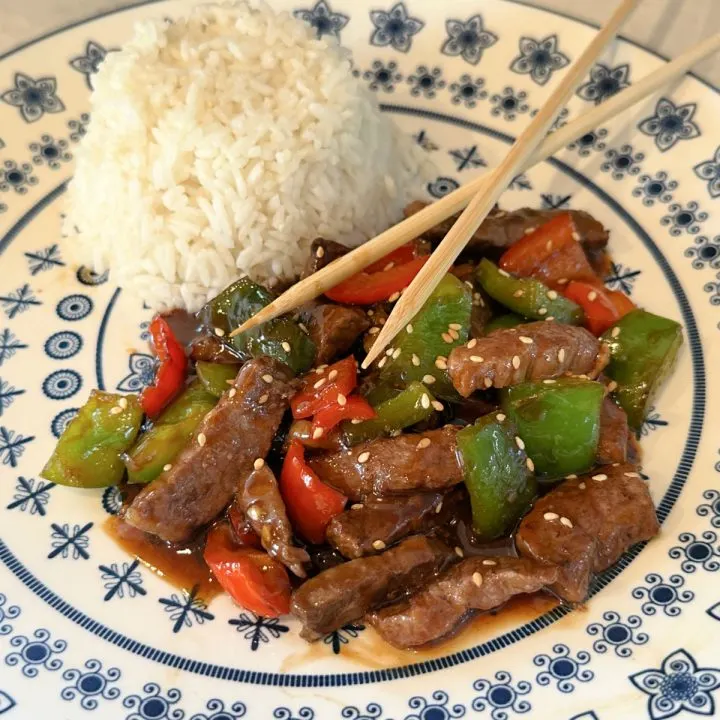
343 636
74 308
62 384
381 76
652 422
622 277
67 542
218 711
86 276
679 685
50 152
714 611
7 613
89 63
63 345
62 420
655 188
35 654
468 91
78 127
6 702
17 177
323 19
467 158
501 696
285 713
697 553
539 58
714 289
710 171
604 83
670 124
121 578
394 27
662 594
520 182
426 81
372 712
589 142
682 219
91 685
142 373
184 610
442 186
706 252
8 393
153 705
563 668
437 710
617 634
34 98
555 202
468 39
509 103
258 629
112 500
30 496
45 259
713 505
18 301
12 446
623 162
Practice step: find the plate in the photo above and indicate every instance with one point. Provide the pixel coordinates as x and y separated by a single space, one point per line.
85 627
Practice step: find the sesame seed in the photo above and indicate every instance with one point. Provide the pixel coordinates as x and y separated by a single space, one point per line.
548 245
552 295
428 379
123 403
631 474
503 273
582 486
477 579
286 346
489 562
370 313
263 399
562 281
549 318
500 417
167 467
382 320
542 311
232 393
468 284
303 327
201 439
441 363
446 338
116 410
389 351
525 339
530 230
438 405
415 360
423 443
592 296
267 378
341 400
219 332
389 266
561 355
516 361
566 522
332 375
254 513
476 358
320 251
317 433
356 506
575 236
382 362
471 344
572 476
550 516
425 400
438 508
355 421
518 293
519 442
612 386
459 551
394 297
455 326
615 332
374 330
409 329
454 334
378 545
600 477
396 353
320 369
487 382
320 383
259 462
530 465
363 457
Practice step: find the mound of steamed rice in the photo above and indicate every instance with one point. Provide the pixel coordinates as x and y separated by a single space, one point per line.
222 144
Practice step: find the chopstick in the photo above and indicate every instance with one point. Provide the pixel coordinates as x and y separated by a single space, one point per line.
438 211
478 208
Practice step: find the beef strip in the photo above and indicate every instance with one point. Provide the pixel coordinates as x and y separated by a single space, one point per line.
322 253
333 328
394 466
259 498
345 593
203 479
614 434
209 348
368 528
473 585
543 350
502 229
585 524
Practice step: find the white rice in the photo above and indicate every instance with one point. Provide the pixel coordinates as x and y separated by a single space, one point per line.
222 144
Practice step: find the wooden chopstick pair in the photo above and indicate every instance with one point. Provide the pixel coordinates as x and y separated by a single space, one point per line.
414 226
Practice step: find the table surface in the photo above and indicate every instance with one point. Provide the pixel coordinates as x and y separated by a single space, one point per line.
667 26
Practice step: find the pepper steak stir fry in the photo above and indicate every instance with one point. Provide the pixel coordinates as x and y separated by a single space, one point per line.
505 410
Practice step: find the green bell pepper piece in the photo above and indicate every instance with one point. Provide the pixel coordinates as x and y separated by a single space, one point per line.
526 296
497 477
643 348
559 422
215 376
281 338
401 411
503 322
88 454
448 305
161 444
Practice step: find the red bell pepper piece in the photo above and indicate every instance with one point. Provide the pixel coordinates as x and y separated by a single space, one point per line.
623 304
356 407
400 256
602 310
171 370
319 390
251 577
242 531
367 288
310 503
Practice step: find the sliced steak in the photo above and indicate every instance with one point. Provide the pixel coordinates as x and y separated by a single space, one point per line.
543 350
347 592
322 253
259 498
586 524
473 585
333 328
614 434
203 479
394 466
368 528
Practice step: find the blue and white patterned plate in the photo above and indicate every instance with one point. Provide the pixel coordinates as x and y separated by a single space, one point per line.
85 629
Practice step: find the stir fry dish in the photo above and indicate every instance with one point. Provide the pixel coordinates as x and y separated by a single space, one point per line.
491 451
